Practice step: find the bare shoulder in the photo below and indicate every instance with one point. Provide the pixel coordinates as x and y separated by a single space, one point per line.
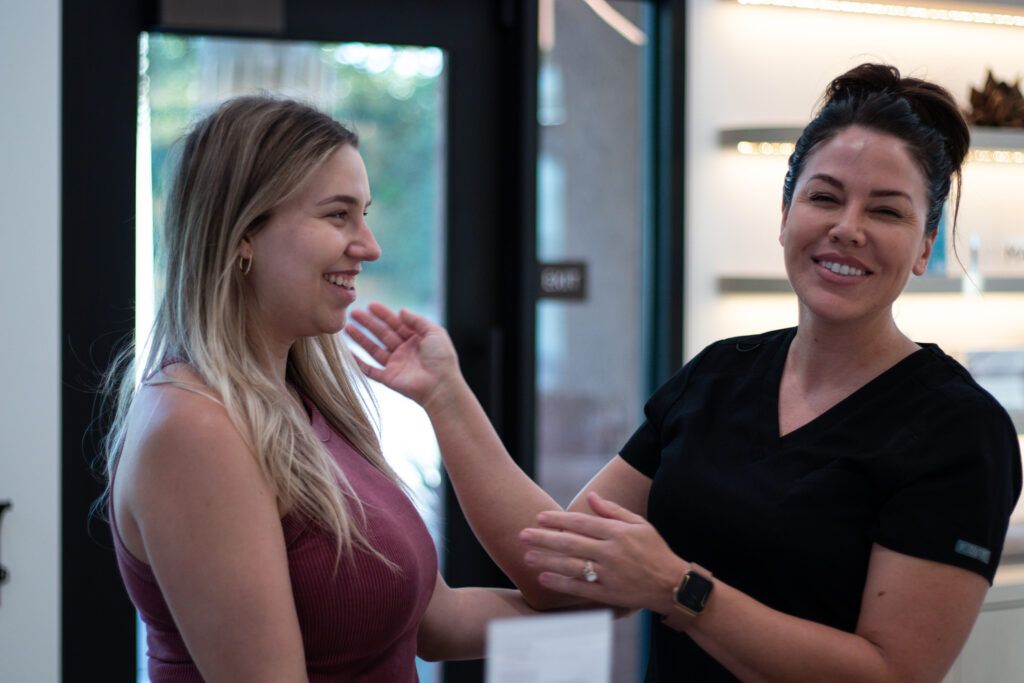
192 502
177 418
182 454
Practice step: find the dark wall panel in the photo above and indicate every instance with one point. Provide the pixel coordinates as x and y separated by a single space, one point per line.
100 66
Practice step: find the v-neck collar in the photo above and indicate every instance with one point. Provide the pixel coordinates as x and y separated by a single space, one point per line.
772 384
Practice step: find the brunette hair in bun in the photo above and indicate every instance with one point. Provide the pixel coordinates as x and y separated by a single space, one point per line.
921 114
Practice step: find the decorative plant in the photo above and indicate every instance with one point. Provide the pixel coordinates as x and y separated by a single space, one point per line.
998 104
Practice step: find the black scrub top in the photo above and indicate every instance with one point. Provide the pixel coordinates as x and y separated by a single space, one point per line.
921 460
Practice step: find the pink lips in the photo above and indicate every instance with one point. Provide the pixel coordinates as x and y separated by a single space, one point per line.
841 260
828 275
347 295
343 273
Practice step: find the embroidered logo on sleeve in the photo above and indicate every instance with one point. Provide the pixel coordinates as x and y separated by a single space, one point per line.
975 552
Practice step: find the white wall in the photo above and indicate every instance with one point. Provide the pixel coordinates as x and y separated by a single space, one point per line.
764 66
752 67
29 339
993 653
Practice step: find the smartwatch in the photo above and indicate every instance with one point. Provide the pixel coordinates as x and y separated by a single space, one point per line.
690 597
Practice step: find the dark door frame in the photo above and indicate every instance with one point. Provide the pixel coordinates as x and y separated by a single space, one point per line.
666 259
490 260
491 157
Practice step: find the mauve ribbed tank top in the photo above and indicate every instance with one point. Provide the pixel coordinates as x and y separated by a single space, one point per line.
357 625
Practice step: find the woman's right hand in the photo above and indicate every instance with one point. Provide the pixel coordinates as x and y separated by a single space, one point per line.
416 356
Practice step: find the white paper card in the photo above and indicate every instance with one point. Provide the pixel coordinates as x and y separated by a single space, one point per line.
556 648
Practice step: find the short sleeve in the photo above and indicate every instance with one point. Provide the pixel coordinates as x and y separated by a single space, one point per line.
954 505
643 449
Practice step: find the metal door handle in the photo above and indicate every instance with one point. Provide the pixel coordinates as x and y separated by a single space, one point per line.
4 506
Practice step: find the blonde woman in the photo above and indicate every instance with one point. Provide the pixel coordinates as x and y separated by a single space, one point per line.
258 529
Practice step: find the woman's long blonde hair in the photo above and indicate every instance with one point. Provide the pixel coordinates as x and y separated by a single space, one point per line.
237 165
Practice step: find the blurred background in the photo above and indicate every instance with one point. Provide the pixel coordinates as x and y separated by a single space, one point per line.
586 192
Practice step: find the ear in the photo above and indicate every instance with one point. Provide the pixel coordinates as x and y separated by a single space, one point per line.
245 248
921 264
782 225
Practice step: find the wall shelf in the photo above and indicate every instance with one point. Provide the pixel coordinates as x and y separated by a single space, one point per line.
983 138
779 140
991 12
917 285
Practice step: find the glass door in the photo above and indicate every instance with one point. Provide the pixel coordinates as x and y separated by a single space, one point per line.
454 209
593 214
393 97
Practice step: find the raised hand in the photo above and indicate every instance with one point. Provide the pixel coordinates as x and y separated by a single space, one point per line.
629 564
416 357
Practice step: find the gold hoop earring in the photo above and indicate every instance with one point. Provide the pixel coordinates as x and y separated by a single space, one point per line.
244 264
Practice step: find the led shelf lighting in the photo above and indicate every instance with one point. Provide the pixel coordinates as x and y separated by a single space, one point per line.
936 13
997 156
988 145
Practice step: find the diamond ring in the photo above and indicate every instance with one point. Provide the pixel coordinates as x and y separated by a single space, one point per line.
589 575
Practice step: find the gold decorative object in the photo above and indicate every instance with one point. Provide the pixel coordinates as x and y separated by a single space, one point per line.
999 104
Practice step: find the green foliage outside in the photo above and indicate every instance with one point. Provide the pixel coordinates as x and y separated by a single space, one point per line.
393 98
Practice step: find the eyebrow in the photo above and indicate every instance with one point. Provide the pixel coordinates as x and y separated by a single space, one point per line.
835 182
342 199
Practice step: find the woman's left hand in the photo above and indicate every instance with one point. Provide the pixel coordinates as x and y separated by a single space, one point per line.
634 566
416 356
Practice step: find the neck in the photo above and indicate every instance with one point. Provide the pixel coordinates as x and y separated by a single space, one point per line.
272 355
824 351
276 362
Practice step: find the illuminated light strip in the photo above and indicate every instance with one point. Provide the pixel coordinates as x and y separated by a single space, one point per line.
997 156
784 149
908 11
765 149
617 21
546 25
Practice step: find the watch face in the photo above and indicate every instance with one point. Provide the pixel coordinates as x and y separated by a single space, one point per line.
693 593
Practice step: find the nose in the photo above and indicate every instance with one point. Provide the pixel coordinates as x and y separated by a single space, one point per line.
848 229
364 247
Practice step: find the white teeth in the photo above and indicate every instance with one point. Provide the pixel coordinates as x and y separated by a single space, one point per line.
841 269
346 281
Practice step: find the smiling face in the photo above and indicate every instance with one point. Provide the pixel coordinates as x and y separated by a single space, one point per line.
308 253
854 230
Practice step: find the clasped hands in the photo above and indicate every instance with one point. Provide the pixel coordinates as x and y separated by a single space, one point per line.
628 563
635 568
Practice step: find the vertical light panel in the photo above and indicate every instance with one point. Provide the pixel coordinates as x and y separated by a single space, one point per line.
30 193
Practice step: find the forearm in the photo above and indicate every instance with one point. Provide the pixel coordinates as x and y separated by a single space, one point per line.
416 358
497 497
914 615
463 634
761 645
